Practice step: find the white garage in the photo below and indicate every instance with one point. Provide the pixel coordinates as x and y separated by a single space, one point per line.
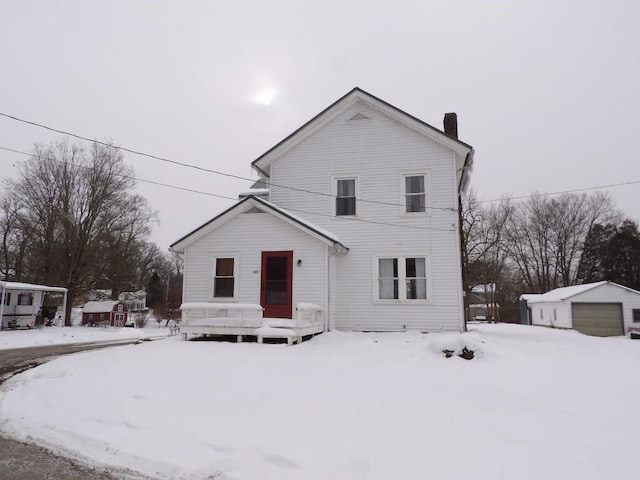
601 309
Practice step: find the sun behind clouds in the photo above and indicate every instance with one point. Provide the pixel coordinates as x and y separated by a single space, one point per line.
265 96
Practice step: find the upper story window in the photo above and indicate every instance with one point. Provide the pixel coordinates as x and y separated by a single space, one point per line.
25 299
345 193
120 307
415 193
224 282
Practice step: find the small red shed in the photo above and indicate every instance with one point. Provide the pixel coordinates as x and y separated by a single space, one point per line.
107 313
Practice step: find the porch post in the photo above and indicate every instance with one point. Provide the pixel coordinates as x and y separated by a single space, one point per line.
64 307
2 305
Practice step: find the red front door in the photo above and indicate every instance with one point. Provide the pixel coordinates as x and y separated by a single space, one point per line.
276 288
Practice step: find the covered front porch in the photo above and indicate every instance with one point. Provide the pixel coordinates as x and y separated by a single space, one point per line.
246 320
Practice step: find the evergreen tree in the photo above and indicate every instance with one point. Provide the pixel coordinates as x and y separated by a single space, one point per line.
155 290
612 253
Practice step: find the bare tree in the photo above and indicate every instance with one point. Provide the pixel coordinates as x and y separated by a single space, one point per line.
74 200
12 241
545 236
483 254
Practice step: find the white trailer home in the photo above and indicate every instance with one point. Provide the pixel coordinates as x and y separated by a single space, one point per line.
20 303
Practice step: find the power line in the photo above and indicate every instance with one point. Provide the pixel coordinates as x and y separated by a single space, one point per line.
235 199
575 190
133 177
196 167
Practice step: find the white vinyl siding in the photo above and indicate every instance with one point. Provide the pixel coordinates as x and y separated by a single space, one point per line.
379 152
250 234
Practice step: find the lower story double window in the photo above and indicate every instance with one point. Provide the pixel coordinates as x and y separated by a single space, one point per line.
402 278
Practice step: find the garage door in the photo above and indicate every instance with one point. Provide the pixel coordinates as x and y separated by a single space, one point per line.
599 319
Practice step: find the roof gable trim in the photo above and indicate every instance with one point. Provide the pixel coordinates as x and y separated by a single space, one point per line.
262 163
251 203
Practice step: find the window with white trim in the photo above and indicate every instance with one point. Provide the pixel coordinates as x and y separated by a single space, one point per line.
635 313
224 277
345 193
415 193
402 278
7 298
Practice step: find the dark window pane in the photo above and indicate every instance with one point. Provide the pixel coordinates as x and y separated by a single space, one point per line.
346 198
636 314
415 267
224 267
417 289
415 203
25 299
277 268
346 188
276 292
414 184
223 287
346 206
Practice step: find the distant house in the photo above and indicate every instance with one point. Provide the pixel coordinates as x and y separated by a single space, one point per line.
105 313
482 304
356 212
20 303
602 309
135 301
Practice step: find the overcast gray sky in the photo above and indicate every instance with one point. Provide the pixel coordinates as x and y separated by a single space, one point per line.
547 92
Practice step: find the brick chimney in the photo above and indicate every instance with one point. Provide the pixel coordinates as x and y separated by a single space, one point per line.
451 124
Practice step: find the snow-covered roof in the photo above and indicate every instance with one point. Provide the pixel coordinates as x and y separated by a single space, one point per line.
256 192
30 286
99 307
560 294
261 204
529 296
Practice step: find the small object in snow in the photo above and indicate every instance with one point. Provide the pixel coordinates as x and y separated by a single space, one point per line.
466 354
448 353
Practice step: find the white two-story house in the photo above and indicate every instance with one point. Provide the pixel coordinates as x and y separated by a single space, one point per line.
361 217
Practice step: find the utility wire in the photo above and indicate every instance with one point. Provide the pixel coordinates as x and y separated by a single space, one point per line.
138 179
196 167
235 199
547 194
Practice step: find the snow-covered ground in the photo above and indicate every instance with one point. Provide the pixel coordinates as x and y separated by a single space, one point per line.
534 404
70 335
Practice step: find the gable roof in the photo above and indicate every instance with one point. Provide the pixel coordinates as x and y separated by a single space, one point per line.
245 205
263 163
100 307
560 294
